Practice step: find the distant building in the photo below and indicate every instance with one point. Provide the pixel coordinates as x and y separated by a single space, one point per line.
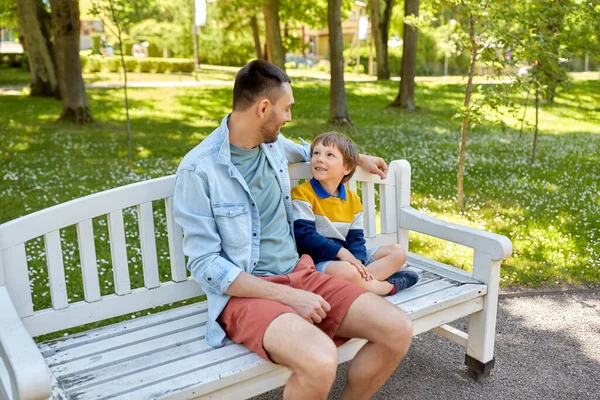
87 29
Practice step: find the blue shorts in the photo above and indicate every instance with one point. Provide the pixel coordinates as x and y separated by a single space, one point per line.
322 266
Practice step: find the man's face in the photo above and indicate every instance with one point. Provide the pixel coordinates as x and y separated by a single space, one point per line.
279 114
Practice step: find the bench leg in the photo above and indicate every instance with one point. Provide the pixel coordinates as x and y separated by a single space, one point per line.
482 325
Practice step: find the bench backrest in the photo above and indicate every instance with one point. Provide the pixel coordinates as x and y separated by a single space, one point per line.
142 202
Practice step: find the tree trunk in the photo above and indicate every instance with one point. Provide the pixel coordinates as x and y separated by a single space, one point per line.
338 110
256 36
406 96
273 33
465 124
65 17
35 28
380 29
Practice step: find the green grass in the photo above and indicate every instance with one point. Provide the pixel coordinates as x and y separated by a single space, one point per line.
550 209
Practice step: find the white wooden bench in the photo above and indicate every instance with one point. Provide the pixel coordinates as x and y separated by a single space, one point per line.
164 355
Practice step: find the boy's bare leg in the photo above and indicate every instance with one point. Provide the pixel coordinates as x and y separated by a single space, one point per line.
347 271
389 332
388 259
311 354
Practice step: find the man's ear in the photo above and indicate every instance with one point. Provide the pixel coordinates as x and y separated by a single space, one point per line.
263 107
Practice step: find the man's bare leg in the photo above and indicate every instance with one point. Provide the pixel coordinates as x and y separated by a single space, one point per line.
311 354
389 332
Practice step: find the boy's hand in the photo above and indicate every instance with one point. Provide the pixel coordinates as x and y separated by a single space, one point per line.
345 255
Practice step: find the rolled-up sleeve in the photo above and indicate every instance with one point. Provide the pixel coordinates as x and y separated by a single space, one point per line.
295 152
201 240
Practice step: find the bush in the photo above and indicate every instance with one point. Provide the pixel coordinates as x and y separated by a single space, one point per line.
95 63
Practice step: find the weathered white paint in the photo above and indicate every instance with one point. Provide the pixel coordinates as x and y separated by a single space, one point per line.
165 355
369 214
482 325
56 270
387 204
148 245
178 270
89 266
17 278
29 375
400 170
110 306
60 216
118 252
455 335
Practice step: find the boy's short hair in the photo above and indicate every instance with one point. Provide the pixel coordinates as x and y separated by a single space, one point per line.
345 145
258 78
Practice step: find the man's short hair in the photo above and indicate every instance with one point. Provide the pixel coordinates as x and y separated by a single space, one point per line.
345 145
256 79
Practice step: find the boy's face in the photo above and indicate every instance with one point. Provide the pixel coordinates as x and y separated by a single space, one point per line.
327 164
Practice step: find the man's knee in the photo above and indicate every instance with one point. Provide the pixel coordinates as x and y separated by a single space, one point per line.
400 333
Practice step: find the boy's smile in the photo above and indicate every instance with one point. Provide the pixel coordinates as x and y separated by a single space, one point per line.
327 166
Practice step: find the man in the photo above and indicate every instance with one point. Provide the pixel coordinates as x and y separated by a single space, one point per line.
232 199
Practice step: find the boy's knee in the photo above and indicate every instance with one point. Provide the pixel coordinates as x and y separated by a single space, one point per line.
398 254
348 272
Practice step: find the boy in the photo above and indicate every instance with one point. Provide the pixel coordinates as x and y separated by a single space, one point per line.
328 227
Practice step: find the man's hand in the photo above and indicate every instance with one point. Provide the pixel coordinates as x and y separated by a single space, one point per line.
309 306
375 165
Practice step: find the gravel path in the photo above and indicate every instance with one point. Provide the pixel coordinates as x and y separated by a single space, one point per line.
547 347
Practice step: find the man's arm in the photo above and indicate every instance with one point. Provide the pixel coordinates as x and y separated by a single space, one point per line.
301 153
375 165
202 245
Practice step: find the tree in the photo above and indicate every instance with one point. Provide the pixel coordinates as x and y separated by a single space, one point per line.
406 95
338 110
380 27
115 11
36 30
65 18
275 51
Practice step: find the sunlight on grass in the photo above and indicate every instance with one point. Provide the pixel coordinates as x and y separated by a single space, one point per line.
549 209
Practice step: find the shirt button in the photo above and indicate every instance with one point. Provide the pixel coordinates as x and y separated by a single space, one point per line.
209 279
287 197
255 264
280 170
254 234
271 146
252 204
230 212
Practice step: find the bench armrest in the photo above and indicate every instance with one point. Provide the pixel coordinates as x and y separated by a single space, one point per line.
28 372
497 246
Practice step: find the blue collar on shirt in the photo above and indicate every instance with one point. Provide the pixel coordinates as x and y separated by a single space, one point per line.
322 193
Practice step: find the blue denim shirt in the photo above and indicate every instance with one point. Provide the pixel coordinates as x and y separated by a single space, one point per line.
221 225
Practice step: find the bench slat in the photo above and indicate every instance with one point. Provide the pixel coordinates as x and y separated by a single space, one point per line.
17 279
138 336
56 270
148 245
178 270
81 313
113 356
145 376
89 264
387 203
147 321
118 252
104 374
369 215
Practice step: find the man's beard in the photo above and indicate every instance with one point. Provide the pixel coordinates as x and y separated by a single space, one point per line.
269 130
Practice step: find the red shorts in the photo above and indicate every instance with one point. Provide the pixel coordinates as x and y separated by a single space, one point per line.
245 319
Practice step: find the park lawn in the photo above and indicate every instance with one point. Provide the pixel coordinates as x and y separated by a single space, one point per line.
549 209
